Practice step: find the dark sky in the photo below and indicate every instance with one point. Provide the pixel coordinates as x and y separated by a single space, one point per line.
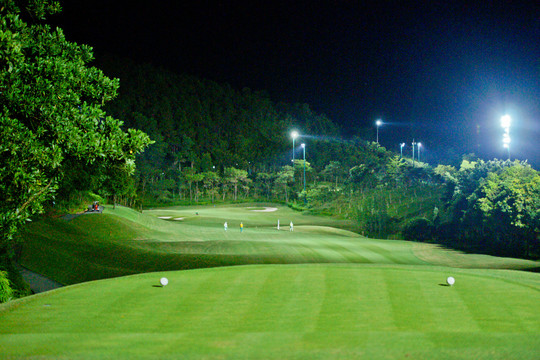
442 72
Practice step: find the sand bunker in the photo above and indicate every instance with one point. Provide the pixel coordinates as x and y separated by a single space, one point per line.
266 209
164 217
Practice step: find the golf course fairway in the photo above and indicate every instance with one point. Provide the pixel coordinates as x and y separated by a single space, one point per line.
327 311
320 292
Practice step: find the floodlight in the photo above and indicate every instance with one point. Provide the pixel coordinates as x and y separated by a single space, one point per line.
378 123
506 120
294 135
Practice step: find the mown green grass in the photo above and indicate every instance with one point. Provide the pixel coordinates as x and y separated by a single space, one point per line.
122 242
325 311
342 296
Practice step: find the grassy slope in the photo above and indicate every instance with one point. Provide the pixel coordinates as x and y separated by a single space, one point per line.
332 311
121 242
392 303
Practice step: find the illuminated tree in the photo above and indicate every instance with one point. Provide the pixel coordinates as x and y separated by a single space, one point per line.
51 113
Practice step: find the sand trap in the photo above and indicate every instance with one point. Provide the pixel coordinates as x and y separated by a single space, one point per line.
267 209
164 217
177 219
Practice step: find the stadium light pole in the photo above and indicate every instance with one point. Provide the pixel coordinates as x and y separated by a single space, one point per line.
413 145
378 123
507 146
401 149
304 147
419 146
294 135
506 121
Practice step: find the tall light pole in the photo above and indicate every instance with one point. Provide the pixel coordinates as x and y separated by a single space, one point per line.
413 145
401 149
304 147
294 135
419 146
506 121
378 123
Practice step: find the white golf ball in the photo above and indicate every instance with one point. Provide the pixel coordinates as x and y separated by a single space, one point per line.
450 280
163 281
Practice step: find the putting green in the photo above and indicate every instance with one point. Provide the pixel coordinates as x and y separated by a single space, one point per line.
321 311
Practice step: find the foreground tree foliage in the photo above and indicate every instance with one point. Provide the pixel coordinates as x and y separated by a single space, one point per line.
51 117
492 206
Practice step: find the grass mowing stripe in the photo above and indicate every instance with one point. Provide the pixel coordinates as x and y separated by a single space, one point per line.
276 306
344 312
448 310
349 253
496 313
389 253
412 314
206 311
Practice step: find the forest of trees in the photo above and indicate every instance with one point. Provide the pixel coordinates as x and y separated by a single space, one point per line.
214 143
170 138
51 121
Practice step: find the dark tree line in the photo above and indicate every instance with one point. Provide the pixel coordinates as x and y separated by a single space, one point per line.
491 206
213 142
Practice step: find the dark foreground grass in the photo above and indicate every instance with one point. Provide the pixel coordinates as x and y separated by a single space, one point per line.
339 311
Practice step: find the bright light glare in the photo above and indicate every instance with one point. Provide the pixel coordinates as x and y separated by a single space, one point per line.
506 146
294 134
506 138
419 144
402 144
378 122
303 145
506 120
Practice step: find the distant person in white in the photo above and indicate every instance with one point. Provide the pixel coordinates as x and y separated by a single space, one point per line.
225 226
278 224
291 227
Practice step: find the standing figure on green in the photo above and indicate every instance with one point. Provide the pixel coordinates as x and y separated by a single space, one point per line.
241 227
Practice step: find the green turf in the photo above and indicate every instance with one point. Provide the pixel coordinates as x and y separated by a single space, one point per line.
342 296
327 311
122 242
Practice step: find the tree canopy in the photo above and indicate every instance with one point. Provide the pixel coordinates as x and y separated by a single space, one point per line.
51 116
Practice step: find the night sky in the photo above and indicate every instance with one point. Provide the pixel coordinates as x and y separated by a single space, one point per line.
441 72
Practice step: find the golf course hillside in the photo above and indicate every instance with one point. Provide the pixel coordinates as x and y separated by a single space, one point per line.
122 241
256 292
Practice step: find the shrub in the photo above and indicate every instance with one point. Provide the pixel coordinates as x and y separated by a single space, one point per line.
418 229
6 293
